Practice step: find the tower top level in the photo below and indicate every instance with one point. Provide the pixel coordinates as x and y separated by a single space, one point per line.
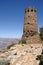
30 9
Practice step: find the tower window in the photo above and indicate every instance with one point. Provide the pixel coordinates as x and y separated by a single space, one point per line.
27 30
31 10
31 31
28 10
28 23
27 36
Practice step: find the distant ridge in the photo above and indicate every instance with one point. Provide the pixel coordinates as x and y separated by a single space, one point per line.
4 42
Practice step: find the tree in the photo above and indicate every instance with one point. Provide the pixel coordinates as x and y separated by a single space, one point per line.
41 33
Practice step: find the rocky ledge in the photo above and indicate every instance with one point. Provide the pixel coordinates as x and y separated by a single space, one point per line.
23 54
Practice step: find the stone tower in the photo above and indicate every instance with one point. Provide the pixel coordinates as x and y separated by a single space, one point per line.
30 30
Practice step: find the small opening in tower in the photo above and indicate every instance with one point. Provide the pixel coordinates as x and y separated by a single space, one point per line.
27 30
31 10
28 10
28 23
26 36
31 31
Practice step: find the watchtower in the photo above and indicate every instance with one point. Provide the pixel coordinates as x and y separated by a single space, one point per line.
30 30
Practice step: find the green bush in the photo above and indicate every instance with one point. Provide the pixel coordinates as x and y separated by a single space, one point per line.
23 41
41 33
41 59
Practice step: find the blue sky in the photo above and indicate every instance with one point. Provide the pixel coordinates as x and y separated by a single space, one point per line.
12 16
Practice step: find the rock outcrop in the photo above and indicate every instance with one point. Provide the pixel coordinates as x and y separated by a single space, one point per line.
25 54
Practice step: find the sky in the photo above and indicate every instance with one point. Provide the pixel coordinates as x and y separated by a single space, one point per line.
12 16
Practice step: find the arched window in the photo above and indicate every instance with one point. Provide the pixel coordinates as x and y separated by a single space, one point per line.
28 23
31 10
27 30
28 10
31 31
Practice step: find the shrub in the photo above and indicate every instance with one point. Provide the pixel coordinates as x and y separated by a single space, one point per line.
41 33
23 41
41 59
